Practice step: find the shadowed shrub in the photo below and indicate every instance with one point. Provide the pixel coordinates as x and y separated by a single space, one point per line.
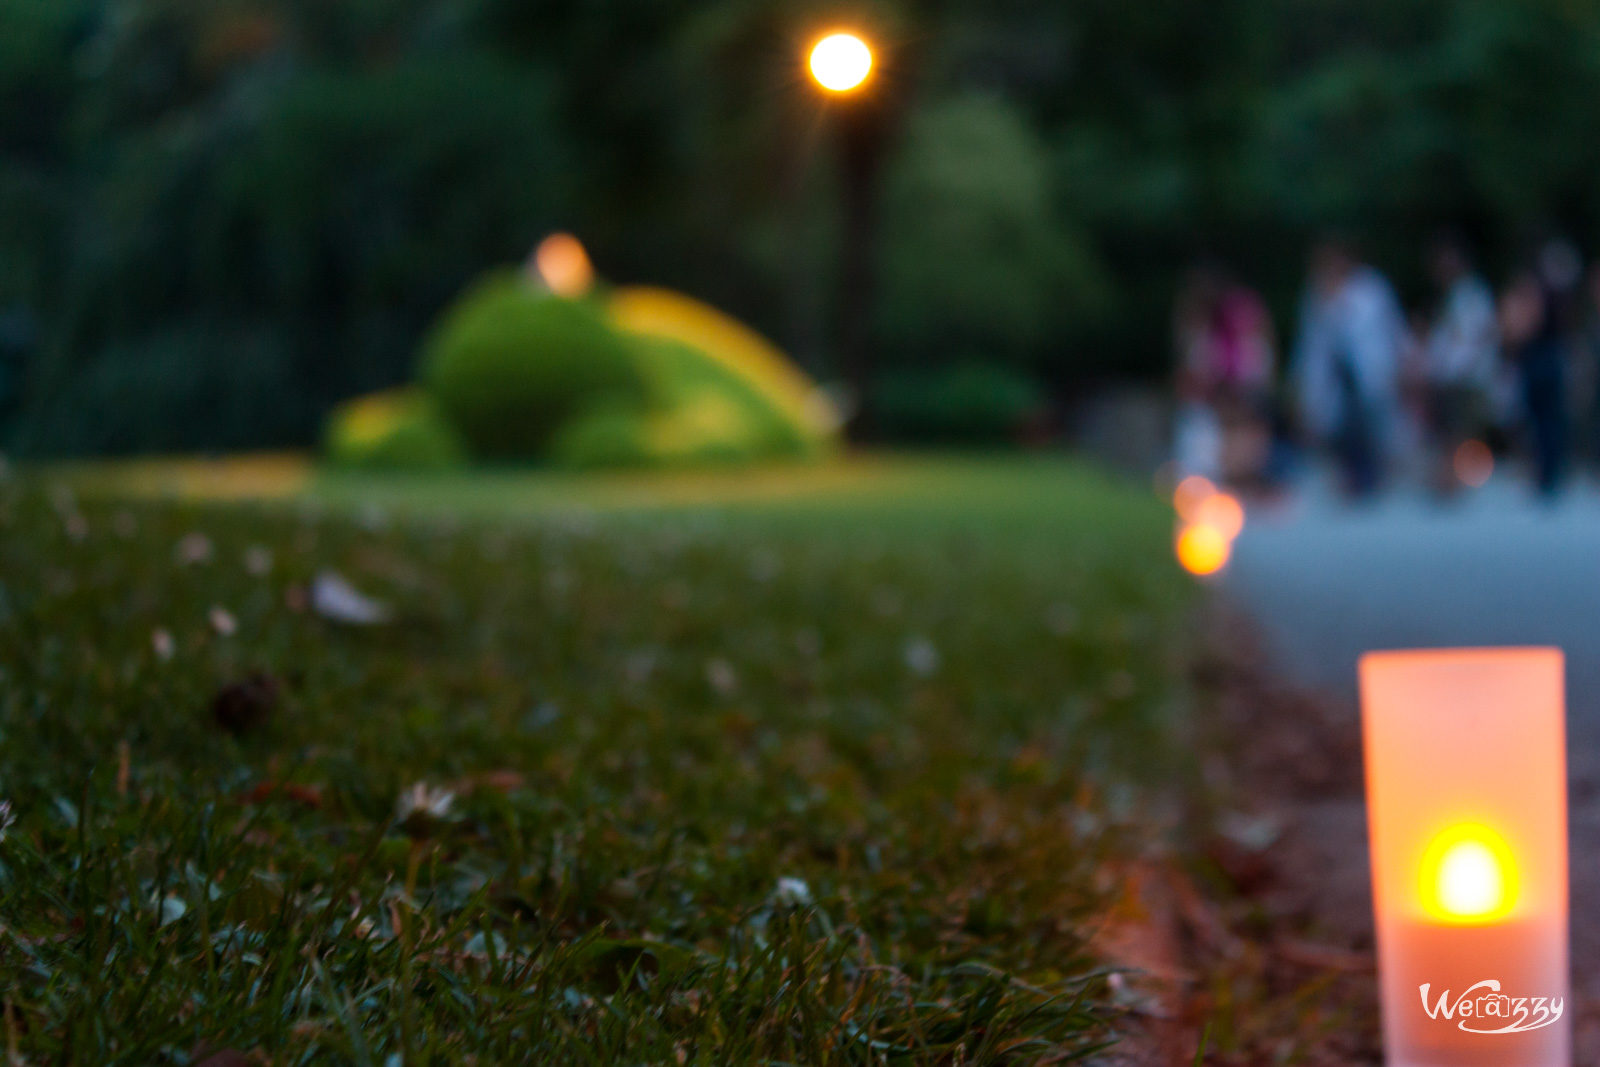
968 403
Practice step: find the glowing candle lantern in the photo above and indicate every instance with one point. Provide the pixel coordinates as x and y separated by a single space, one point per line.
1203 549
1467 820
1190 494
1222 512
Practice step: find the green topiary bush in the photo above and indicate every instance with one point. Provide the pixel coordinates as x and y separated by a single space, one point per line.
610 437
398 430
713 397
705 428
964 404
700 413
508 366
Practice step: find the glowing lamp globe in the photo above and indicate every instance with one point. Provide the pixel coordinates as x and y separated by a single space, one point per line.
1467 825
840 62
562 264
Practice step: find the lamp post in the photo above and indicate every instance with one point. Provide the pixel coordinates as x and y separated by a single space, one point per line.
843 65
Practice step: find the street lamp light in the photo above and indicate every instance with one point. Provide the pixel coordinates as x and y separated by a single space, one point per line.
840 62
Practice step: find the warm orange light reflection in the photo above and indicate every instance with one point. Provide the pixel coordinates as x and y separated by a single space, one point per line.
1203 549
1190 494
1473 463
563 265
1468 875
841 62
1222 512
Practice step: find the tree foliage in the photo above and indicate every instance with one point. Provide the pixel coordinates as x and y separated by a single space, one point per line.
186 185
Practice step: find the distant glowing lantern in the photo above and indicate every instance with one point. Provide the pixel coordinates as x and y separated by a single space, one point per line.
563 265
1474 463
1203 549
1190 494
1467 821
1222 512
840 62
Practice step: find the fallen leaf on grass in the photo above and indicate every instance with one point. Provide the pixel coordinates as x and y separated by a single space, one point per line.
309 795
336 599
922 658
193 548
246 705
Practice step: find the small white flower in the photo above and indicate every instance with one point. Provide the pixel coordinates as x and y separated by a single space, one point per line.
721 677
258 560
374 518
125 525
558 580
161 641
792 893
423 799
765 565
223 622
77 528
1061 619
922 659
640 665
333 597
172 908
6 819
193 548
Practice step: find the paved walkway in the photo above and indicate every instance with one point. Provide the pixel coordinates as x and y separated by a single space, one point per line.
1327 582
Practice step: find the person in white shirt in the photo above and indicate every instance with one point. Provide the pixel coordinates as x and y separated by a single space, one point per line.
1461 357
1347 366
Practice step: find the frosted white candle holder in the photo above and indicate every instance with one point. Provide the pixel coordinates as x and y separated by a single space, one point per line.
1467 824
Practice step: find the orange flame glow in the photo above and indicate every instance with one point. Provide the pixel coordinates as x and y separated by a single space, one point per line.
1202 549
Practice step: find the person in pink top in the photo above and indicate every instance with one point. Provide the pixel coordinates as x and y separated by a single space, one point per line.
1226 365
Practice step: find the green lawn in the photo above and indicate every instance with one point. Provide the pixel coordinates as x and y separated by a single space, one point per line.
790 766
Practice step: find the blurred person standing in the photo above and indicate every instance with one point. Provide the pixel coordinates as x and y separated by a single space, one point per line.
1353 335
1537 322
1461 356
1227 356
